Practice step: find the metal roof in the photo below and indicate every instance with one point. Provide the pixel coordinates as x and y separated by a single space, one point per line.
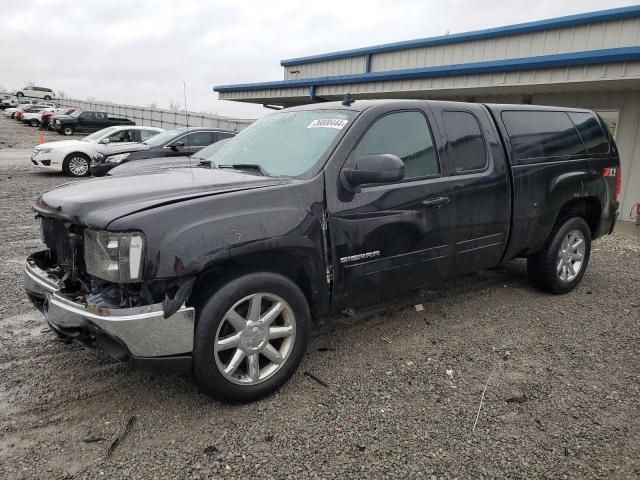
611 55
567 21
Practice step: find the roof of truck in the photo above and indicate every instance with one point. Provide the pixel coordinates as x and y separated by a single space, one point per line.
361 105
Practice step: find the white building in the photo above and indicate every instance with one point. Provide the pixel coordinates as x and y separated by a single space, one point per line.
589 60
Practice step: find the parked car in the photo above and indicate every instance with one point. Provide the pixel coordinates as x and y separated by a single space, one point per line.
74 156
8 101
33 117
19 113
47 117
312 210
82 121
172 143
201 159
10 111
36 92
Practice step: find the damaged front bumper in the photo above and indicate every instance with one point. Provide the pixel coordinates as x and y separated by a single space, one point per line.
127 334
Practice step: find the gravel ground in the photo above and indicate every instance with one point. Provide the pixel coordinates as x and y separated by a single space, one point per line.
18 135
401 394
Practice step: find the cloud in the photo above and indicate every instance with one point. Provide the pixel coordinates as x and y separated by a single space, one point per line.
139 52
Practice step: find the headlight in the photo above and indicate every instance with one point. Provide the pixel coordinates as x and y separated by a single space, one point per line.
114 256
42 150
116 158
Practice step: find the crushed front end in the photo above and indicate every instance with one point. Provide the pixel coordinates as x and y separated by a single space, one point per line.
88 284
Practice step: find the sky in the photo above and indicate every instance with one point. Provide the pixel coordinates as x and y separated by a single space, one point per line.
139 52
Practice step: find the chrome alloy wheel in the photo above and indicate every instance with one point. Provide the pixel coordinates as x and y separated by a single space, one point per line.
571 256
254 339
78 166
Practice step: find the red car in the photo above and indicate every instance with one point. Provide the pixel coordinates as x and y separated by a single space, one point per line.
47 117
18 113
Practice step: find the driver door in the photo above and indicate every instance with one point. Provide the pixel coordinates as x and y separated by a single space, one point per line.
392 237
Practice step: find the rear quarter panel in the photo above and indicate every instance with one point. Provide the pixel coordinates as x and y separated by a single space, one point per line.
541 189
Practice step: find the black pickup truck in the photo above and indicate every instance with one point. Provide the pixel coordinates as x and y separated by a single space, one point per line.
310 210
83 121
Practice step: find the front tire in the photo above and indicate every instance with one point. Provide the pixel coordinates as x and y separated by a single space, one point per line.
47 97
562 262
251 336
67 131
19 94
34 122
76 165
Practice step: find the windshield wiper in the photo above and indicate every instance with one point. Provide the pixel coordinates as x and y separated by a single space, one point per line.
247 166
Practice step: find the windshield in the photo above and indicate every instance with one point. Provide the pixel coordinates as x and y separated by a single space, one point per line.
163 137
76 113
99 134
283 144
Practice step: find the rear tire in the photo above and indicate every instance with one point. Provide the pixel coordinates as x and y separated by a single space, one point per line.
562 262
19 94
47 97
266 359
77 165
34 123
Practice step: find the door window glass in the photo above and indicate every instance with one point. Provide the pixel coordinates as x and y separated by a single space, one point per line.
465 143
146 134
406 135
222 135
122 136
197 139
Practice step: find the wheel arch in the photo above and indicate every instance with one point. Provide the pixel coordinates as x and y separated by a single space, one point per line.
74 153
589 208
295 264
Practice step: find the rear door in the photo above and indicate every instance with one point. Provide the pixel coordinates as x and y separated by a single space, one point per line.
474 160
389 238
100 120
86 121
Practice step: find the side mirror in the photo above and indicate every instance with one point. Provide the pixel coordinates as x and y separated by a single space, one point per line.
380 168
177 145
105 141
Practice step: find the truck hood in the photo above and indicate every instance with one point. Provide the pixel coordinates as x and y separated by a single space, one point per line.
96 203
153 165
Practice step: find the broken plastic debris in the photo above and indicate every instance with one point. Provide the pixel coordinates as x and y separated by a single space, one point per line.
419 307
450 373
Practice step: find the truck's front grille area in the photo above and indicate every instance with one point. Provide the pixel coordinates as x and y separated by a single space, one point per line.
65 240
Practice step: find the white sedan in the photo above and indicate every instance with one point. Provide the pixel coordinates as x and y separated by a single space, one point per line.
35 118
73 157
10 112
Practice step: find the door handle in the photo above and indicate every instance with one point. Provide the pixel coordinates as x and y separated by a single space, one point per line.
435 202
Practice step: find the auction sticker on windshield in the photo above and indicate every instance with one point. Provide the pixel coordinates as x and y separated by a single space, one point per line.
338 123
